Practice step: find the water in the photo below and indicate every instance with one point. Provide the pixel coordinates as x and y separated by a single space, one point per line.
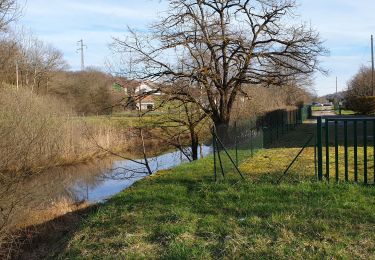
122 174
91 182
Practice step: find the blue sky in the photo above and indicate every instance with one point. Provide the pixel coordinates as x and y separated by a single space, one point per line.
344 25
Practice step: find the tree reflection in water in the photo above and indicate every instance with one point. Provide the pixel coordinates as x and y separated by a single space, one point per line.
90 182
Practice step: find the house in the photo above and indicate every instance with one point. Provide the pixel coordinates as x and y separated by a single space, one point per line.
143 88
146 103
143 94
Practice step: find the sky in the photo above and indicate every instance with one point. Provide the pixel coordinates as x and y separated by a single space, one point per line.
345 27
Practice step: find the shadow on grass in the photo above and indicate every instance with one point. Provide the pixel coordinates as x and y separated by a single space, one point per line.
174 216
295 138
47 240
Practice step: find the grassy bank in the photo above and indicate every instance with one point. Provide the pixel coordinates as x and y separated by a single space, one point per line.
183 214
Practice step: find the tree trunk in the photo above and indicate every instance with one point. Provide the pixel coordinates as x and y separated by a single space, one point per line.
222 130
194 144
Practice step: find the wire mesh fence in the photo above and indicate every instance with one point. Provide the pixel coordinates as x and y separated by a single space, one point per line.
239 141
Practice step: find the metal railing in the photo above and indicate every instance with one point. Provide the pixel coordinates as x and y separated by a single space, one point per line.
345 146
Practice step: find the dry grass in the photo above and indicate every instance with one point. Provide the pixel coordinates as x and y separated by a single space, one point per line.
38 132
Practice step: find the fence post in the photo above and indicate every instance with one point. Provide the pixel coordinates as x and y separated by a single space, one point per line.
217 140
365 151
251 142
277 126
315 157
320 149
336 152
327 147
235 141
346 150
214 150
355 141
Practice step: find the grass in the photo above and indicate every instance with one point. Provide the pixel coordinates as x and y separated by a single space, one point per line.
321 108
345 112
182 214
124 121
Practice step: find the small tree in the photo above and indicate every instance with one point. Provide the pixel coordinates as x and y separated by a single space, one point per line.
360 84
359 97
184 120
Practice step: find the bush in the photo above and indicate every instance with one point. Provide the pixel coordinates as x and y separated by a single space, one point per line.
37 132
362 105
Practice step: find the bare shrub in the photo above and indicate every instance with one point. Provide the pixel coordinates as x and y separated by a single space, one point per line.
38 132
362 105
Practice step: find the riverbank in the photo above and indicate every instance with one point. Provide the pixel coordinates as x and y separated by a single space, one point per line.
182 214
65 190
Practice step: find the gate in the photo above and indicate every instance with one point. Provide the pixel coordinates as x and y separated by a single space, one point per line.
345 148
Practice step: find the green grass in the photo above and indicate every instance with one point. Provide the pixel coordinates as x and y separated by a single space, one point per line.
345 112
183 214
321 108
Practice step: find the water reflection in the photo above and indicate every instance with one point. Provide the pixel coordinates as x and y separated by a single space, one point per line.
92 182
123 174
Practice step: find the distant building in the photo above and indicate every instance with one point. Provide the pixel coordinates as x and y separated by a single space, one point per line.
142 94
146 103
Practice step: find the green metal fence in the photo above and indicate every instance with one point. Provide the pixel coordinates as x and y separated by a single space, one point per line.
237 142
345 148
278 122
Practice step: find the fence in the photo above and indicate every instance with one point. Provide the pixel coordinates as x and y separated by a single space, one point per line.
279 122
235 143
343 148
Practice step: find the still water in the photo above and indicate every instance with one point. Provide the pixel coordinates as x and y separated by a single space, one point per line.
122 174
91 182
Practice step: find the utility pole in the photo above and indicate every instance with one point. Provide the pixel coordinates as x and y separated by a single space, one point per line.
81 49
337 100
17 75
336 87
372 62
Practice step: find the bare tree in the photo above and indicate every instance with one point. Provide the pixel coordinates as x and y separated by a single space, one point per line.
41 60
9 12
37 61
223 47
9 50
360 84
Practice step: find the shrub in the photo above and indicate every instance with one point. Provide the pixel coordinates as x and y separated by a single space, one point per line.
37 132
362 105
